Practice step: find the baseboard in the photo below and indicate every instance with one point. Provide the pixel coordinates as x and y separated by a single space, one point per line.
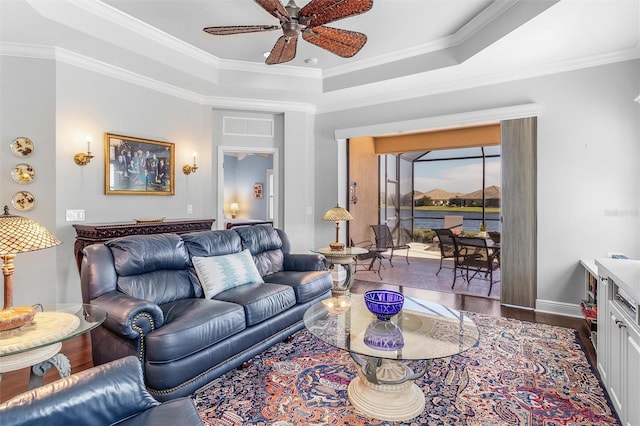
558 308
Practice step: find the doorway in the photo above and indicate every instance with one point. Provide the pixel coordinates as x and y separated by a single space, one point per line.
247 184
517 137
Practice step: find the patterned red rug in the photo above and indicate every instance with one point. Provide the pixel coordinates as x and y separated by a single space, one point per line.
520 373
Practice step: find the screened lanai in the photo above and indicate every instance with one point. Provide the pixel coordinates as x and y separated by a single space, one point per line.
455 171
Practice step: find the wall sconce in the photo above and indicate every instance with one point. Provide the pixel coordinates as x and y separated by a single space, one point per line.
81 158
352 193
187 169
234 207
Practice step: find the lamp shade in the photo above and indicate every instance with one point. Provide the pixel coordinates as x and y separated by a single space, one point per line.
234 206
337 214
20 234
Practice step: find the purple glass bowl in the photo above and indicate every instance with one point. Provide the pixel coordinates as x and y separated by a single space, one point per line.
384 303
384 336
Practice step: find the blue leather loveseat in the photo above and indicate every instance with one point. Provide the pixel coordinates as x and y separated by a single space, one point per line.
153 288
108 394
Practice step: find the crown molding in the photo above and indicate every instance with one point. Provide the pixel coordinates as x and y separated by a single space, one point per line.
280 70
103 11
421 90
27 50
258 105
481 20
103 68
90 64
378 95
443 121
71 58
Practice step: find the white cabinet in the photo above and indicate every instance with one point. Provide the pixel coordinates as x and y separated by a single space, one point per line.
619 335
633 377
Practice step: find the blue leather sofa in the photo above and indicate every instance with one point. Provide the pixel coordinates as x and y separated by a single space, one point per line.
157 310
108 394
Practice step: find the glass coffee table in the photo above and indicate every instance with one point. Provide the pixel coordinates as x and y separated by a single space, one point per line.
422 331
37 345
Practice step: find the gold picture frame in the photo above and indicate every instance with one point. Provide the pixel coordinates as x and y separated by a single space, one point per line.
136 166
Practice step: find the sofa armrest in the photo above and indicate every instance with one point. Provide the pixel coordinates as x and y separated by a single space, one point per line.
304 262
101 395
128 316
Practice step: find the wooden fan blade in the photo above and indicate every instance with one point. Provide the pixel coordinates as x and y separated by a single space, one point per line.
239 29
343 43
275 8
324 11
283 51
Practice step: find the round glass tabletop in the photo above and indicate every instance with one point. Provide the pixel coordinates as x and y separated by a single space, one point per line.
55 324
421 331
346 252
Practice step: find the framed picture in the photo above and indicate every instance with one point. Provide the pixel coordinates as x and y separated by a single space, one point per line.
135 166
257 191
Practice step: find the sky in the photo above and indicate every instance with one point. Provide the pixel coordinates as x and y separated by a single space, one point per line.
456 175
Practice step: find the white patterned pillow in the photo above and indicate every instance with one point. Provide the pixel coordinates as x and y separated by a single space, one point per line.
220 273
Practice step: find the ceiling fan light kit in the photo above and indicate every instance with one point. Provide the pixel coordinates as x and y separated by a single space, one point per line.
308 22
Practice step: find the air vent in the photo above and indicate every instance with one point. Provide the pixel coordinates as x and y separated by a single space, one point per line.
242 126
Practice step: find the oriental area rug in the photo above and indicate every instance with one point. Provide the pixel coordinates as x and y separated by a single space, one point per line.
520 373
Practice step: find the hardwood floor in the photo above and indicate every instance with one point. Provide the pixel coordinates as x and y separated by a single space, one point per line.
78 350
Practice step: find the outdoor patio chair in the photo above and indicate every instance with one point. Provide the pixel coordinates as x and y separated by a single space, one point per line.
367 261
384 242
453 223
475 255
445 242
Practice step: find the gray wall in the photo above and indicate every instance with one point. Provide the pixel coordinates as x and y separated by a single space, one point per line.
28 108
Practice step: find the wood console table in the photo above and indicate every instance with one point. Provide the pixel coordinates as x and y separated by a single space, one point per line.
87 234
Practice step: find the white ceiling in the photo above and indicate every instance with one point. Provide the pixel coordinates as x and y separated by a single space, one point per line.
391 26
413 45
406 28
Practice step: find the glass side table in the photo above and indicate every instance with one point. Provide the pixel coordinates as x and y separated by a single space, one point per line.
344 257
37 345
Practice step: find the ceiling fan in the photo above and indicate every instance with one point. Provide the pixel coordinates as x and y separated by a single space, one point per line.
308 21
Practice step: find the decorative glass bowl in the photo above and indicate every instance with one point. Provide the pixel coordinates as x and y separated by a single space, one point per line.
384 303
383 336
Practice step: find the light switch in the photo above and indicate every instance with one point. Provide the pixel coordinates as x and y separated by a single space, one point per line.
75 216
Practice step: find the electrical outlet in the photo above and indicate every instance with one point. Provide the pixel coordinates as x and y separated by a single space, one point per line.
75 215
189 208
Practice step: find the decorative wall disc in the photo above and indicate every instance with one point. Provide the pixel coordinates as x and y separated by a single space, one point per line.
23 200
23 173
22 147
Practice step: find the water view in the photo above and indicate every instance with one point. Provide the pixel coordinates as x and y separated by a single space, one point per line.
433 219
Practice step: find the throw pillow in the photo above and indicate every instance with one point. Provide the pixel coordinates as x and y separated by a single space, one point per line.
220 273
